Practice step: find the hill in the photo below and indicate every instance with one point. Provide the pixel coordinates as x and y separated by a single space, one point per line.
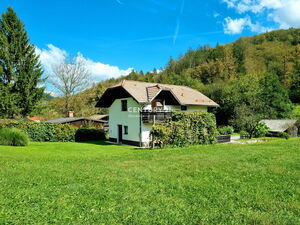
215 71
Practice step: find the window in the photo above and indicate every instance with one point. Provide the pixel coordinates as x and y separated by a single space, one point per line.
125 129
124 105
183 108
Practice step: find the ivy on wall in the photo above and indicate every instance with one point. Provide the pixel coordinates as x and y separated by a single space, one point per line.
183 129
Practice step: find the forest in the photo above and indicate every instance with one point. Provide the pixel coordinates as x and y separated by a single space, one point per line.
257 75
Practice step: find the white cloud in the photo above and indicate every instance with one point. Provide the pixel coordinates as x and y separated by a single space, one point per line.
236 26
288 15
255 6
51 93
215 14
285 13
99 71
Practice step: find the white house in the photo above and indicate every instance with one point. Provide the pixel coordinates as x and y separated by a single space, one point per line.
135 106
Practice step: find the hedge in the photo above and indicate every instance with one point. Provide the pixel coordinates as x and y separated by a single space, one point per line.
43 131
54 132
89 134
188 128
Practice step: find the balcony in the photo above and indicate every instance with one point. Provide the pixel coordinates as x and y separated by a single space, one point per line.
155 116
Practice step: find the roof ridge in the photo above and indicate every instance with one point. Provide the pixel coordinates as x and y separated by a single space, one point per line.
156 83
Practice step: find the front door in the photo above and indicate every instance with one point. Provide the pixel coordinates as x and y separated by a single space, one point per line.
120 138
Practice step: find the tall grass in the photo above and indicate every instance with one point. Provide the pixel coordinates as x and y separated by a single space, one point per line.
13 137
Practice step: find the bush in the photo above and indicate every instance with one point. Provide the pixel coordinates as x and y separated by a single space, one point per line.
43 131
283 135
244 134
226 130
13 137
185 129
260 130
89 134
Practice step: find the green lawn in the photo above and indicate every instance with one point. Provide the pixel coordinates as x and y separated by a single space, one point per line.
74 183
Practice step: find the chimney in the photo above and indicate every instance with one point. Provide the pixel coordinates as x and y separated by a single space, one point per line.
71 114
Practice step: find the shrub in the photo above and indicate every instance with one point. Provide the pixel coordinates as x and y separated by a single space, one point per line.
13 137
260 130
43 131
226 130
89 134
283 135
185 129
244 134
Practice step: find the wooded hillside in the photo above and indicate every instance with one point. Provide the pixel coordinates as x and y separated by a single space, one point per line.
259 73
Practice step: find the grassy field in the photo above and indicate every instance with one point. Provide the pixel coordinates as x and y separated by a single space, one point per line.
94 183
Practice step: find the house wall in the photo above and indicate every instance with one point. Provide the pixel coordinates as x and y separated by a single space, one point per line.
293 131
130 118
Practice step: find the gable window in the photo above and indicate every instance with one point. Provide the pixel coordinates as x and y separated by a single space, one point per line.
124 105
125 129
183 108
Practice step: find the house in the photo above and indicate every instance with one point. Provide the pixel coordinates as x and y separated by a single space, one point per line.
277 126
95 120
135 106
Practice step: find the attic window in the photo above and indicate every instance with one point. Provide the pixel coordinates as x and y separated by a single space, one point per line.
183 108
124 105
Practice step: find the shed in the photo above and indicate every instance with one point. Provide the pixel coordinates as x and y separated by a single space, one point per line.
277 126
80 121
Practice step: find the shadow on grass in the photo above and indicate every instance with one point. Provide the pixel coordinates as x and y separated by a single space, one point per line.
95 142
107 143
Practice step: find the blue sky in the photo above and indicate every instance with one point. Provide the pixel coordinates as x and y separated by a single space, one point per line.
117 35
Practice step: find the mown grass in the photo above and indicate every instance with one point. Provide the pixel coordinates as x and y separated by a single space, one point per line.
92 183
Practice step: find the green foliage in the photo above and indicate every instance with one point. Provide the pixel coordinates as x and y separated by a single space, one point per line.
260 130
284 135
43 131
296 112
89 134
20 69
13 137
275 98
244 134
247 119
226 130
185 129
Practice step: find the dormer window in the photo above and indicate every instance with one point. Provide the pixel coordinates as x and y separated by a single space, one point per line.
124 105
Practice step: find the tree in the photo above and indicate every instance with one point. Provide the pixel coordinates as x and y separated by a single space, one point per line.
247 119
20 69
7 102
275 98
295 85
70 77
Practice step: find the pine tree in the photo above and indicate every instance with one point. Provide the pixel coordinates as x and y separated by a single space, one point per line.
20 69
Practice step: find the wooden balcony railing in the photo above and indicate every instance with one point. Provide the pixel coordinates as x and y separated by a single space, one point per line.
155 116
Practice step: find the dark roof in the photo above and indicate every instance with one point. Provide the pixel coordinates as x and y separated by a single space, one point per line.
94 118
65 120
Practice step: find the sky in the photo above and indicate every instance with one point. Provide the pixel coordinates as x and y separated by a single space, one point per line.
116 36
